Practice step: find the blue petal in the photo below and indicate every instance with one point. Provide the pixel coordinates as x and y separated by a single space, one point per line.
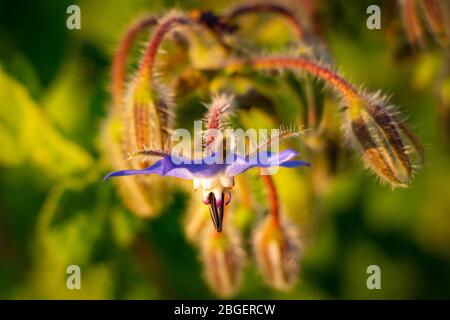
174 166
156 168
167 167
295 164
273 159
192 170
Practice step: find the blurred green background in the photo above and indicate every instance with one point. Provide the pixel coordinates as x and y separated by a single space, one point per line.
54 210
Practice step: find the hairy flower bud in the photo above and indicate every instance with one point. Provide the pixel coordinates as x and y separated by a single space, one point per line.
148 118
436 13
276 248
411 22
149 104
387 146
197 219
139 196
223 258
140 119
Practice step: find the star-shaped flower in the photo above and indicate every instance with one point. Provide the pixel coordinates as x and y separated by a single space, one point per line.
216 179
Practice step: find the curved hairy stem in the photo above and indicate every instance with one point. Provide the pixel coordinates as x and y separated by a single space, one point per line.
171 21
349 93
150 103
118 67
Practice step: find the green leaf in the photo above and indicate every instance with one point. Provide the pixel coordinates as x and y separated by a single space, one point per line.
28 138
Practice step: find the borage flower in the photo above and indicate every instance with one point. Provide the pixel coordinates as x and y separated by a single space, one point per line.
214 172
215 178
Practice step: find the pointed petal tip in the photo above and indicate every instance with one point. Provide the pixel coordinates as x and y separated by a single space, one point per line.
109 175
113 174
295 164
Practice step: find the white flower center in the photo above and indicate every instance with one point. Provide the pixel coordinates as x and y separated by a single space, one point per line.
217 185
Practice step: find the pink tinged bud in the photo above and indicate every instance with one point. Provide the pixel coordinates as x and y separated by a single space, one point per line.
223 259
218 111
276 248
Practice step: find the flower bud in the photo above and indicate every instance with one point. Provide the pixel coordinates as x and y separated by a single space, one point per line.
147 122
141 119
148 118
140 196
276 248
223 259
386 144
197 220
411 22
437 14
